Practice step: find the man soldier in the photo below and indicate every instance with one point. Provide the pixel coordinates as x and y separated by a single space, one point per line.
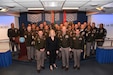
89 38
82 33
76 46
101 34
70 31
58 31
28 41
37 29
65 48
40 50
22 30
41 26
94 34
33 30
46 31
13 33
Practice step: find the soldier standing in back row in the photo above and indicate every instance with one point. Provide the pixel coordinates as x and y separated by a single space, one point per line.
65 48
28 41
40 50
33 27
94 33
101 34
13 33
89 38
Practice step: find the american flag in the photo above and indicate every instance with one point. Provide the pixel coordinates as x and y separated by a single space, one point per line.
71 16
34 17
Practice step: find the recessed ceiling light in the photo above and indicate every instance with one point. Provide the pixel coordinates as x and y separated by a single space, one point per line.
71 8
50 4
35 8
94 5
3 10
99 8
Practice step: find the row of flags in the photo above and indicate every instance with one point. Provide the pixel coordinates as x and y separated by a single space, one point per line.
52 17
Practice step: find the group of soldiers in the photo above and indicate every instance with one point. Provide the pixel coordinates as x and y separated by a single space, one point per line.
73 39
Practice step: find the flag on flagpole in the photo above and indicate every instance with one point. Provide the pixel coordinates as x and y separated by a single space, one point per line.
52 16
64 16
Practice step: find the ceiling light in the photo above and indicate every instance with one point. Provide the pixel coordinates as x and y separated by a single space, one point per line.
35 8
99 8
3 9
70 8
94 5
51 4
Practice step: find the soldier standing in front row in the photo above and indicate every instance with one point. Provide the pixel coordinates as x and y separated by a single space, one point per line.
40 50
76 46
65 48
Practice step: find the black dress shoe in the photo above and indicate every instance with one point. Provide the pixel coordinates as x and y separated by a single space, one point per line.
38 71
63 67
78 68
43 67
74 67
66 69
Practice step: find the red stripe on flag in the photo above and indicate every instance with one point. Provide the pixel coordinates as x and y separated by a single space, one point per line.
52 16
64 16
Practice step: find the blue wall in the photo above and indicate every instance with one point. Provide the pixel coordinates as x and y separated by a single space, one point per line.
81 16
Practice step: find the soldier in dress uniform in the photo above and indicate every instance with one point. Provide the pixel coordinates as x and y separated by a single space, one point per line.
101 34
76 26
82 33
94 33
46 31
13 33
37 29
76 46
65 48
40 50
41 26
89 38
33 30
58 31
28 41
70 32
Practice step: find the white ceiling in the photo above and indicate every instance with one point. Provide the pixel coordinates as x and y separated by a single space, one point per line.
84 5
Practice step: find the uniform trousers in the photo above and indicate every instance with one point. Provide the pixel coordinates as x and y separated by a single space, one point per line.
65 56
33 49
100 43
88 48
30 52
40 59
93 46
77 55
13 44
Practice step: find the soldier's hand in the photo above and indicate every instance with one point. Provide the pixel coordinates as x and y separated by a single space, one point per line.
13 38
60 49
57 51
69 49
48 52
33 43
81 50
41 50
